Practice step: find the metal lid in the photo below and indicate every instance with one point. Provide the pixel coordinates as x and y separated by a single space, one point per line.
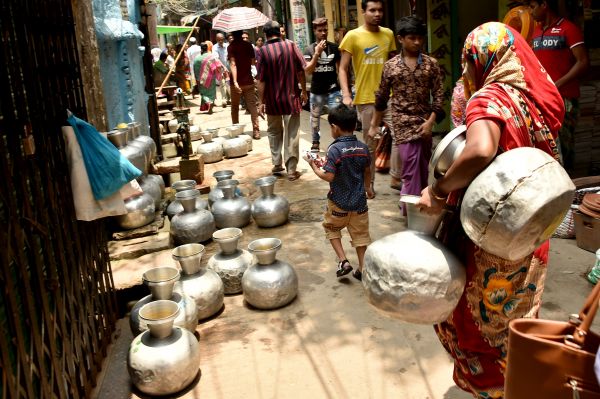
446 151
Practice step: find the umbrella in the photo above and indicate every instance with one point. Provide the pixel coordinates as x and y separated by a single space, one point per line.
238 18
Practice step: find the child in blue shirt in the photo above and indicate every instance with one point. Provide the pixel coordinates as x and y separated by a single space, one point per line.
348 171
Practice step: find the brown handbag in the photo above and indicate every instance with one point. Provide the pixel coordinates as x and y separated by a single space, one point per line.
383 152
553 359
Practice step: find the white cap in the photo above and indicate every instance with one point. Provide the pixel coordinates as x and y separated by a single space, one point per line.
192 40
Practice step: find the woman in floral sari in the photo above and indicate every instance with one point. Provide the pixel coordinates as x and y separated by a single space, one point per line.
512 103
207 69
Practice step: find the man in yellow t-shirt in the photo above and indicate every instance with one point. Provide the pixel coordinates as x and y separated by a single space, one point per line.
368 47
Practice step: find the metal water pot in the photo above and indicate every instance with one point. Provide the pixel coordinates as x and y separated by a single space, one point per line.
165 359
192 225
269 283
199 283
231 210
175 206
235 147
412 276
151 186
134 154
210 150
269 210
158 179
216 193
230 263
516 203
147 141
140 212
173 124
161 281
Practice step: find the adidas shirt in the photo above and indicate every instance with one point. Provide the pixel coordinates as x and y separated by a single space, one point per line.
324 77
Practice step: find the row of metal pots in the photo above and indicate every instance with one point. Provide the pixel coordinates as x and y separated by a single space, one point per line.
191 222
215 147
164 357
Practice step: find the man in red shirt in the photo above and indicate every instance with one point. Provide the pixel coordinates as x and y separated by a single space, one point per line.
241 57
558 44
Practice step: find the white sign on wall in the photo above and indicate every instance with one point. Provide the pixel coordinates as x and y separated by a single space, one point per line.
300 24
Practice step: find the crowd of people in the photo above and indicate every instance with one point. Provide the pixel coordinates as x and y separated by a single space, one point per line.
511 94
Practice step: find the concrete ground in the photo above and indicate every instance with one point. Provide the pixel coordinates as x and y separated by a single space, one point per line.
329 342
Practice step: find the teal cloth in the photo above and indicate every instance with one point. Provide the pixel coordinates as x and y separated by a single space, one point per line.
107 169
594 274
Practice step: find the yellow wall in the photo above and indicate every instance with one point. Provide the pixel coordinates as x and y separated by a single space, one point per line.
361 17
330 23
440 45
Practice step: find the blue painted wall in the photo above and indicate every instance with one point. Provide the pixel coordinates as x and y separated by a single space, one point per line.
121 67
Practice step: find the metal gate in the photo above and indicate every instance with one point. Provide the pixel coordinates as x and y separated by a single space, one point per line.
57 308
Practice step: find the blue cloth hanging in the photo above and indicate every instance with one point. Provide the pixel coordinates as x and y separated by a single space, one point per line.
107 169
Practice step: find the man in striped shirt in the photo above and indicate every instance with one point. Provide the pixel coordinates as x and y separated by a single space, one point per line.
280 73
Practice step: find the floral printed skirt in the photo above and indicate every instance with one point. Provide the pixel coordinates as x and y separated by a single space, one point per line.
476 334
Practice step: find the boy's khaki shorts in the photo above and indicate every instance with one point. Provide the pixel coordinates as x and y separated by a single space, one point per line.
356 223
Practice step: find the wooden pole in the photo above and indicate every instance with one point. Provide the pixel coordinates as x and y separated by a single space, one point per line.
178 55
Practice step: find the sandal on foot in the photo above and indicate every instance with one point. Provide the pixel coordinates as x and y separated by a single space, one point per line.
357 274
373 190
294 176
343 268
396 184
315 146
277 169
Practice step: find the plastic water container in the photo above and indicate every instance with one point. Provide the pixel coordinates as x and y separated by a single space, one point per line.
594 274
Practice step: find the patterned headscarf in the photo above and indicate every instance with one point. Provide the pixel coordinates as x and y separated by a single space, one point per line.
496 53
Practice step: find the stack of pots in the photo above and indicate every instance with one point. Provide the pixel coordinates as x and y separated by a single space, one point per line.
165 359
161 281
215 135
175 206
211 151
235 146
141 208
237 130
203 285
216 193
192 225
153 185
144 141
134 153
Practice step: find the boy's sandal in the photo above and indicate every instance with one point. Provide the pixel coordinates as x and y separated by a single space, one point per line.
373 190
343 268
357 274
315 145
